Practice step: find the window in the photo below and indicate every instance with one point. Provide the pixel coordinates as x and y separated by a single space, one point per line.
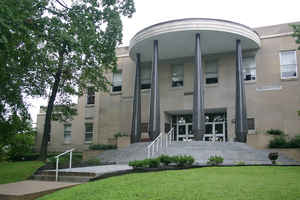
177 75
67 133
288 64
211 72
90 96
251 124
249 68
146 77
88 132
117 82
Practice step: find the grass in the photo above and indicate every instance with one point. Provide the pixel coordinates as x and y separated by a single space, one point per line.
220 183
17 171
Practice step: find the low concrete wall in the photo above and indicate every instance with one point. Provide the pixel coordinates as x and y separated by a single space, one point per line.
89 154
123 142
291 153
259 140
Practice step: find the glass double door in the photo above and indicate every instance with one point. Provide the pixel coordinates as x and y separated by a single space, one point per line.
214 131
184 132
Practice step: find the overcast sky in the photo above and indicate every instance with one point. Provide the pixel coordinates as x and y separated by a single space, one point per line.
252 13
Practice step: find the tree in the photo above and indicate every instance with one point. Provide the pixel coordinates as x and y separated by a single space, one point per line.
20 25
78 46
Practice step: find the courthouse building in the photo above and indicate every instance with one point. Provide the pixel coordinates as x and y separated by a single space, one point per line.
209 79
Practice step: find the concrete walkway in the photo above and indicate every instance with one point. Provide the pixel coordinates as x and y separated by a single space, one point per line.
27 190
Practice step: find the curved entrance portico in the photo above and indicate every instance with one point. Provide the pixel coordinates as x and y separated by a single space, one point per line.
192 38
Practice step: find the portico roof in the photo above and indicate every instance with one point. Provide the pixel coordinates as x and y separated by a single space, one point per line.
176 38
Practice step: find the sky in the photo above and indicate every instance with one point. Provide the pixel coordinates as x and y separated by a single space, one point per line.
252 13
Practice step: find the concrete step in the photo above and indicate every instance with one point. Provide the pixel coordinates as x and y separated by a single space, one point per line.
72 179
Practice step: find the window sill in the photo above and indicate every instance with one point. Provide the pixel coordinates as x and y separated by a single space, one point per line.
251 132
212 85
88 142
250 82
289 79
146 90
115 93
67 143
177 88
90 105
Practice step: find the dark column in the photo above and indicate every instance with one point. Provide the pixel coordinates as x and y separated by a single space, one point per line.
154 121
136 114
198 101
241 124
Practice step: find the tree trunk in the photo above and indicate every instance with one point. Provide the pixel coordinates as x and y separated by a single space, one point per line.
47 124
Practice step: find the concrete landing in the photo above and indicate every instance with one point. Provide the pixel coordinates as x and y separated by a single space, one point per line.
28 190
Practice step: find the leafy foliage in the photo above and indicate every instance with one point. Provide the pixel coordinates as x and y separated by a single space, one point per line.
281 142
179 161
78 45
275 132
296 34
102 146
20 26
215 160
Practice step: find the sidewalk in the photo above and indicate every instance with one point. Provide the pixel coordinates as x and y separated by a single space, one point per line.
29 190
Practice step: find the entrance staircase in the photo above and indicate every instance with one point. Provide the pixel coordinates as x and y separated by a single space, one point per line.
232 152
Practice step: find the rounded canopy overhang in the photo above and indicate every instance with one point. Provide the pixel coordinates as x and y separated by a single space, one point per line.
176 38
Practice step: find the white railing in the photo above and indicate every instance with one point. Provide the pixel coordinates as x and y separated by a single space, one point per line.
57 161
158 143
169 137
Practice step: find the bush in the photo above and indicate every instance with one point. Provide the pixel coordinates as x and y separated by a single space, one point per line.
21 145
295 142
64 161
153 162
278 142
102 146
119 134
215 160
139 163
240 163
93 162
183 161
165 159
275 132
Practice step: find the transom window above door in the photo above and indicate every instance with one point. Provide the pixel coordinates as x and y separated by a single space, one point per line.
211 72
249 68
177 75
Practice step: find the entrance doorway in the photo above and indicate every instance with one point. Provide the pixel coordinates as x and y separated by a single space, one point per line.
215 127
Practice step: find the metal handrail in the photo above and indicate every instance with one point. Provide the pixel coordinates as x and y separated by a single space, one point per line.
57 161
154 146
169 137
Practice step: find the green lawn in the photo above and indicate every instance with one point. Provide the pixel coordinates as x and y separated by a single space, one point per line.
17 171
213 183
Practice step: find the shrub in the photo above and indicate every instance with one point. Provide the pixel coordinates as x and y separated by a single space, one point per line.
215 160
153 162
21 144
165 159
183 161
139 163
275 132
102 146
295 142
278 142
64 161
119 134
273 156
240 163
93 162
